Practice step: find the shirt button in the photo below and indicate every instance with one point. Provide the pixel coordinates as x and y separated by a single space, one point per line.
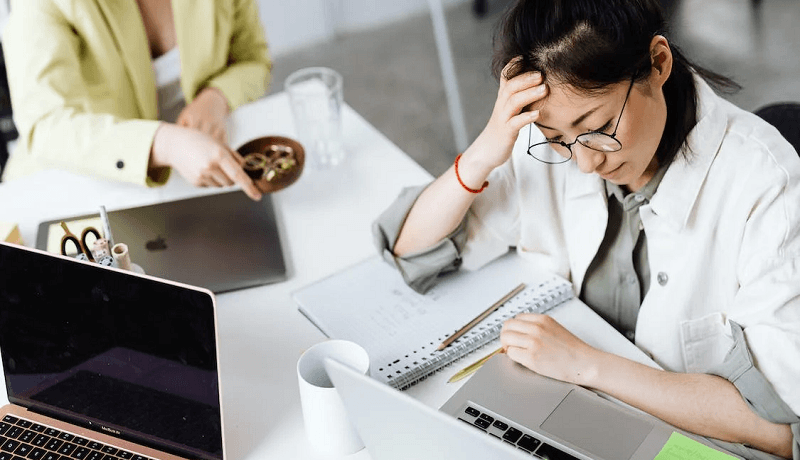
630 335
120 164
662 278
638 198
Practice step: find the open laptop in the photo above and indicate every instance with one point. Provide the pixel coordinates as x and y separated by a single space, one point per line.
502 405
221 242
104 364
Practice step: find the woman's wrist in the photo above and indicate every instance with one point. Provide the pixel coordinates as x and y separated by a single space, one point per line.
472 169
159 150
590 372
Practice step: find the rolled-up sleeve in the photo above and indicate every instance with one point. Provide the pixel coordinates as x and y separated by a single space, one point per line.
419 269
739 369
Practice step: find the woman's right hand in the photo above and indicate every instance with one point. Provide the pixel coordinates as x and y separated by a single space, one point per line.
493 146
199 158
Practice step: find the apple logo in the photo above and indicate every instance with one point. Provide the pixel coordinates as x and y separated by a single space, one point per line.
158 244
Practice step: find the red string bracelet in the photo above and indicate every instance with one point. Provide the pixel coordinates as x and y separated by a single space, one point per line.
470 190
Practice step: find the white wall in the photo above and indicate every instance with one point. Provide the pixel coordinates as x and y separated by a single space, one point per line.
297 23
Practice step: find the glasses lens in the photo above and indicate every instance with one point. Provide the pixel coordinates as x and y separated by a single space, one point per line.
599 141
550 152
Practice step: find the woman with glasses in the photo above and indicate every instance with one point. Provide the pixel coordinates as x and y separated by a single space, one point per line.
609 160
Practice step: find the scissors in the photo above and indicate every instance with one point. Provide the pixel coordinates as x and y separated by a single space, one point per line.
80 244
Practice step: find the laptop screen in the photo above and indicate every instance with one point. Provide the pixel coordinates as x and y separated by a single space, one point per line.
111 351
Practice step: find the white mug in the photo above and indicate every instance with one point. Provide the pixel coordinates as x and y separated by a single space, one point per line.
328 428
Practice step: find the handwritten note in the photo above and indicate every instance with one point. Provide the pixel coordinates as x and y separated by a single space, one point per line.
680 447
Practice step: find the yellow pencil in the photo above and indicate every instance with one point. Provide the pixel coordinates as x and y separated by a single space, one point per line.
469 370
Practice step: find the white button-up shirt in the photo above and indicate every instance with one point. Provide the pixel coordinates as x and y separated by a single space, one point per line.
723 239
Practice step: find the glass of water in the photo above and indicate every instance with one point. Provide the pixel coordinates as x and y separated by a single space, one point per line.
315 95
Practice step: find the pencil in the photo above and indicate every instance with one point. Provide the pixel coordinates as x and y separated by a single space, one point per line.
480 317
106 226
469 370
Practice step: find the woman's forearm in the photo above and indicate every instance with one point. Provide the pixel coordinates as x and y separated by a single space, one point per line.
700 403
440 208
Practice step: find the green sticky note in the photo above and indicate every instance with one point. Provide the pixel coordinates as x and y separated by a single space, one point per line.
680 447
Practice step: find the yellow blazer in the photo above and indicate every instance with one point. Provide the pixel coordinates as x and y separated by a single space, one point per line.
82 86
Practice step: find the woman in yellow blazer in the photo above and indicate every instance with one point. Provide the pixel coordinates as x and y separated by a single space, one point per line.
85 99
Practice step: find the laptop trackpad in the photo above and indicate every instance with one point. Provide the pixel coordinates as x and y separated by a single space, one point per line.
602 429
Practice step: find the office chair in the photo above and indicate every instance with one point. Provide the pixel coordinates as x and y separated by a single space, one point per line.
785 116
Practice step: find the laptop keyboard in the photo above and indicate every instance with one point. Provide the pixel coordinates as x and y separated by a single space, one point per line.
22 439
510 433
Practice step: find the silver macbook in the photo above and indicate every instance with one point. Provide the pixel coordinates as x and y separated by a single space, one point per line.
503 406
103 364
220 242
395 426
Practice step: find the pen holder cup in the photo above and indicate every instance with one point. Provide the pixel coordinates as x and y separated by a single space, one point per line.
273 162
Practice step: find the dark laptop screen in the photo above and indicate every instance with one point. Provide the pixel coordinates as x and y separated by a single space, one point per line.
100 348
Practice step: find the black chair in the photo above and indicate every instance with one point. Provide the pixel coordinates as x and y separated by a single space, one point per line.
786 117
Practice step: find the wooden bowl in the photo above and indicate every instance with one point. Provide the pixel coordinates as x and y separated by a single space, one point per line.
273 162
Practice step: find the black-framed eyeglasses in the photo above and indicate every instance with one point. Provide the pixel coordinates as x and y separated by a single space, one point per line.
557 151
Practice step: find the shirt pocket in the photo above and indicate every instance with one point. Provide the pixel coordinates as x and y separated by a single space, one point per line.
705 342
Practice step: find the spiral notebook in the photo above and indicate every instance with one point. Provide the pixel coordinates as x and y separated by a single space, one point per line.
370 304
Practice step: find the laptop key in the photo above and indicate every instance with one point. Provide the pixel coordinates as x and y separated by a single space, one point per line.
14 432
95 445
41 440
10 445
52 432
124 454
472 411
512 434
109 450
53 445
10 419
487 417
81 453
27 436
502 426
94 455
548 451
528 443
66 449
24 423
51 456
23 449
80 441
38 428
6 455
36 454
4 426
482 423
66 436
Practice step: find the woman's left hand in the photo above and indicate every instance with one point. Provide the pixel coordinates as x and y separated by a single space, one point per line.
541 344
207 113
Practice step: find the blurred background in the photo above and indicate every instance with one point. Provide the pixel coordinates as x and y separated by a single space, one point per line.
388 55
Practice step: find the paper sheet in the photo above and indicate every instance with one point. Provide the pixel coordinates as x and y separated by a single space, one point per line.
680 447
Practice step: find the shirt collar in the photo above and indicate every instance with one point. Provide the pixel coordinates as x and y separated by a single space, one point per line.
681 183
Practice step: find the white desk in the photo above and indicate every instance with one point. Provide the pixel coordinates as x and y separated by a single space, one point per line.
325 221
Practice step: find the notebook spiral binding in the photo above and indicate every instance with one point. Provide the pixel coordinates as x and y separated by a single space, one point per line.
533 299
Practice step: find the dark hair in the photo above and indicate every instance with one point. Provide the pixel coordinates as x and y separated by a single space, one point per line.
591 44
